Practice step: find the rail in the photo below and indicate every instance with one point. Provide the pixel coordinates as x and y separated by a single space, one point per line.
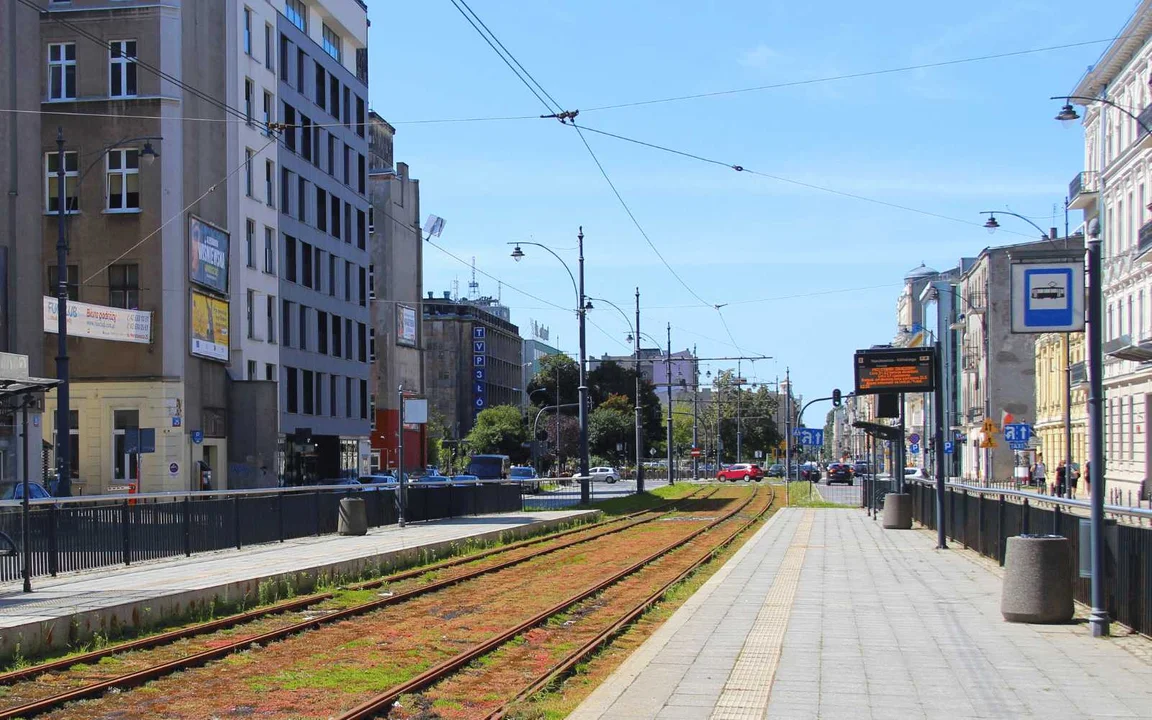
1034 498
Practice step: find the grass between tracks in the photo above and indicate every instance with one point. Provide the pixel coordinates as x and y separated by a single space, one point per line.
805 494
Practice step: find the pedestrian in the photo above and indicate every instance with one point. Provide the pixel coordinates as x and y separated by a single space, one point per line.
1040 475
1073 478
1061 479
1088 478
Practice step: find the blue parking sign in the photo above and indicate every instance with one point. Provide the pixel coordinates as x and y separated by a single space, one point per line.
948 447
914 449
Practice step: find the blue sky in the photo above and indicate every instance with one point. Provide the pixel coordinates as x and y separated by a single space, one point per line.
952 141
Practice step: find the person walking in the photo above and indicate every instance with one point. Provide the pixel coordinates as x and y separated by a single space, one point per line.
1061 479
1040 475
1073 478
1088 478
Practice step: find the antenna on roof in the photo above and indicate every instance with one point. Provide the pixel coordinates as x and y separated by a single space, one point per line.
473 286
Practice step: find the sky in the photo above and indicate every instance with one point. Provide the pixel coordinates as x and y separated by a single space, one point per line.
804 276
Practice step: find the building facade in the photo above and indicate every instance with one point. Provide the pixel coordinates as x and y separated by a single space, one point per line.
1114 193
1052 379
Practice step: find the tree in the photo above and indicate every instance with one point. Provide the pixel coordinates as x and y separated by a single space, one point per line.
553 367
612 378
499 430
620 403
608 427
744 411
569 438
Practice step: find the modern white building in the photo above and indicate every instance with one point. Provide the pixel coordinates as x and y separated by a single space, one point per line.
1114 191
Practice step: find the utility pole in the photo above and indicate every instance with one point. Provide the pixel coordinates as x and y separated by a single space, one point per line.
63 424
402 483
739 414
788 425
585 484
639 407
695 414
671 474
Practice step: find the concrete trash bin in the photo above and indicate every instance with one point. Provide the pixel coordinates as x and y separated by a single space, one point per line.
353 517
1037 580
897 511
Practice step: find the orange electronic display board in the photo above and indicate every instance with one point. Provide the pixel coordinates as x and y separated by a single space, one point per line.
895 371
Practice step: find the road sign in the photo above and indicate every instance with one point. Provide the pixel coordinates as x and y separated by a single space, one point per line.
1018 445
948 447
173 468
796 431
811 436
138 441
197 436
1048 296
989 427
696 452
1017 432
988 442
915 449
759 454
894 371
177 421
914 438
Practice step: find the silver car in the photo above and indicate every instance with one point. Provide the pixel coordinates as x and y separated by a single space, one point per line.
606 474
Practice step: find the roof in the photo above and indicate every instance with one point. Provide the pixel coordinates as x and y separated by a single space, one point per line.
1129 40
921 271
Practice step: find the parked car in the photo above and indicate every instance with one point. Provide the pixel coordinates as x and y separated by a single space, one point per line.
810 471
607 474
839 473
776 470
14 490
741 471
915 473
461 478
527 477
381 479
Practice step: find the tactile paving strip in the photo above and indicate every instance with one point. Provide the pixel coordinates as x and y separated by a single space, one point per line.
745 694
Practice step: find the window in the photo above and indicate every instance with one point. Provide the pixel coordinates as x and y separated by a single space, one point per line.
72 283
268 46
322 332
269 103
361 175
247 31
290 391
331 43
250 242
305 137
318 267
1131 316
321 79
270 319
251 369
331 154
309 392
371 344
270 372
269 250
371 220
286 323
348 223
362 228
289 259
300 70
270 183
306 267
249 100
360 116
348 284
123 179
301 199
123 462
371 282
335 217
62 71
337 345
52 181
347 397
250 312
347 106
124 286
316 144
320 378
348 338
321 209
332 396
284 58
248 172
363 399
302 329
285 186
334 97
332 275
362 342
122 68
73 441
363 288
347 165
297 13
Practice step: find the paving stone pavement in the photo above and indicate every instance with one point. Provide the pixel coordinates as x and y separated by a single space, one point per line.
881 625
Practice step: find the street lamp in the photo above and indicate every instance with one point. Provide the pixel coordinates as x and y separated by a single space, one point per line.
582 307
63 425
634 337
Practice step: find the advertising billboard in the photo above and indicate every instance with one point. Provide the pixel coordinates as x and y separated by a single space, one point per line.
894 371
100 322
207 255
405 325
209 327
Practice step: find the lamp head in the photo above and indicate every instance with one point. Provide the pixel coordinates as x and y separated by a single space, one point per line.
149 153
517 253
588 305
991 225
1068 115
631 338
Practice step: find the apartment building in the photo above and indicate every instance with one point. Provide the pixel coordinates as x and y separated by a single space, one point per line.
322 159
1114 193
1052 378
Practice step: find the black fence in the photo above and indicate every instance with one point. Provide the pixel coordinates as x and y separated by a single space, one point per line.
983 520
94 533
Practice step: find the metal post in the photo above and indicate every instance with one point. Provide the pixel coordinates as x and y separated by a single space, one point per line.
671 474
788 427
938 442
63 427
25 509
695 414
1098 619
639 407
739 416
585 485
401 483
900 462
558 464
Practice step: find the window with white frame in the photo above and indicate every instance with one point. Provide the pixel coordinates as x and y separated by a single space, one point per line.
248 172
269 104
331 44
249 100
249 242
269 250
268 51
122 68
250 312
297 13
270 183
123 180
62 71
247 31
270 319
252 370
52 181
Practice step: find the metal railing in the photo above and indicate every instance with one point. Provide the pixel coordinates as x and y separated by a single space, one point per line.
83 533
1085 181
982 519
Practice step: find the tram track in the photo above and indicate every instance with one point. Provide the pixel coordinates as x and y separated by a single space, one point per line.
569 538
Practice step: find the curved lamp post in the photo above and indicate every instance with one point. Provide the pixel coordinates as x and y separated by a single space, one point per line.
581 310
63 426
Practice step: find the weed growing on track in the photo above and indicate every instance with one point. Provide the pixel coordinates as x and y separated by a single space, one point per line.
803 494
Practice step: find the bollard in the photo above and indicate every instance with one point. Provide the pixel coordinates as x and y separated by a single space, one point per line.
1037 580
353 518
897 511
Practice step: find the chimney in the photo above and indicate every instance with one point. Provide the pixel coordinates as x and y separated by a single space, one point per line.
431 295
447 295
1052 234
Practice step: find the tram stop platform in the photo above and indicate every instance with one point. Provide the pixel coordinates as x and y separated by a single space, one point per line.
823 614
69 609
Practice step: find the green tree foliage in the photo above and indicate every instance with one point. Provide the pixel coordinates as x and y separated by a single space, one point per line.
620 403
499 430
752 410
608 427
612 378
555 368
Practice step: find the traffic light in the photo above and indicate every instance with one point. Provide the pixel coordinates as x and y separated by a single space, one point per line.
836 398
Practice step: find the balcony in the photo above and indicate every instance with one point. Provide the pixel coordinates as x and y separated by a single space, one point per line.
1144 243
1083 189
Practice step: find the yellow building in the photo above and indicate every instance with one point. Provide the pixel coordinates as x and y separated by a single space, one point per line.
1051 381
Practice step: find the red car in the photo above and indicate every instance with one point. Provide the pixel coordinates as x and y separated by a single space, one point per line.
741 471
